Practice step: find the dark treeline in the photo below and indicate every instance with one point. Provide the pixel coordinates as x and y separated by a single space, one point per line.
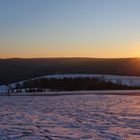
71 84
14 70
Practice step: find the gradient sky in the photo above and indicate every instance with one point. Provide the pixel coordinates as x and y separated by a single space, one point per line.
70 28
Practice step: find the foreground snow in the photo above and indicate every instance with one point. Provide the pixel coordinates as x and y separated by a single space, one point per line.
70 118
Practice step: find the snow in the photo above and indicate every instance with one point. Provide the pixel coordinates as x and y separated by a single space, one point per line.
3 89
127 80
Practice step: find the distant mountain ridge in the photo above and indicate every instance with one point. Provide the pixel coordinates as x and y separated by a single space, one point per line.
18 69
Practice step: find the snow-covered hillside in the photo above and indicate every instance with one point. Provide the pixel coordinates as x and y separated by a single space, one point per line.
3 89
127 80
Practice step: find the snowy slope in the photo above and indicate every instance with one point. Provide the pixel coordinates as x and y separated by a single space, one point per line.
3 88
127 80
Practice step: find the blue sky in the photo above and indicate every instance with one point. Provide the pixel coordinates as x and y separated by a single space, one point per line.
69 28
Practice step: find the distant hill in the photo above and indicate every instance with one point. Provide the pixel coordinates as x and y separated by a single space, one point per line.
13 70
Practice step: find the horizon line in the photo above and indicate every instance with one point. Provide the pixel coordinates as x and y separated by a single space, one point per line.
69 57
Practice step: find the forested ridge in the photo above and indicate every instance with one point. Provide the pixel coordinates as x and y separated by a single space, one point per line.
17 69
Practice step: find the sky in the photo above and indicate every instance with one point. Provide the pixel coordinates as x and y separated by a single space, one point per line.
70 28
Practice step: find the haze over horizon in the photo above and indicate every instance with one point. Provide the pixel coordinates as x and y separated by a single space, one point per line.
69 28
111 58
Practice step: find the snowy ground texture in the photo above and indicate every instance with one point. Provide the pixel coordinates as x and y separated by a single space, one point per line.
87 117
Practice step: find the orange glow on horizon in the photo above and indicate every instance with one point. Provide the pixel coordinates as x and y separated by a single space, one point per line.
72 49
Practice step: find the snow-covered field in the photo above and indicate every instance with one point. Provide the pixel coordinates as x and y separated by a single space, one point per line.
88 117
127 80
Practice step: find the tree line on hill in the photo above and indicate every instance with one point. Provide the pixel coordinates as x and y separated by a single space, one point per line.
71 84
